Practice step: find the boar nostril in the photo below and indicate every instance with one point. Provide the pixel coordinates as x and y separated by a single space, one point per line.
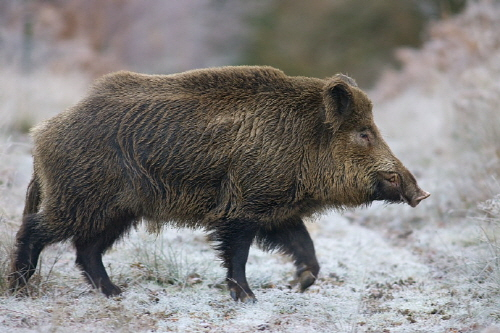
423 195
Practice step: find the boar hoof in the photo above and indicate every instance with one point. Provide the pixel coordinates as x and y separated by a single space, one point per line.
306 279
242 296
111 290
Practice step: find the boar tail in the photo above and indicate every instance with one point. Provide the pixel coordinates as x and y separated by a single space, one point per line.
33 196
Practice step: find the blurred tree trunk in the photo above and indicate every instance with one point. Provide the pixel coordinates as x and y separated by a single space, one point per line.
27 41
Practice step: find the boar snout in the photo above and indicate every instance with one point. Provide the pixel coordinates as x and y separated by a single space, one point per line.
395 187
421 195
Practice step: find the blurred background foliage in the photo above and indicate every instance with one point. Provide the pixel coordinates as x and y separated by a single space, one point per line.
356 37
313 38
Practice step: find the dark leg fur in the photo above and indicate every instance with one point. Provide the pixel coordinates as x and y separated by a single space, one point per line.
235 238
89 253
293 239
32 197
30 241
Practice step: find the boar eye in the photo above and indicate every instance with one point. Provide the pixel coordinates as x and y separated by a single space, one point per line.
366 137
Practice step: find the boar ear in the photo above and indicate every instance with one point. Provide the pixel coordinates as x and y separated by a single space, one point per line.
337 100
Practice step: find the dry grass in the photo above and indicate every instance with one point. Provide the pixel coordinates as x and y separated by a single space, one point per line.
488 270
435 268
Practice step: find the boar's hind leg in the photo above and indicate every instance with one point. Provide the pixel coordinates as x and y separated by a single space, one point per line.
235 238
291 237
30 241
89 253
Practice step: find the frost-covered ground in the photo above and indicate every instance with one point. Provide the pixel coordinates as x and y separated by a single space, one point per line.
434 268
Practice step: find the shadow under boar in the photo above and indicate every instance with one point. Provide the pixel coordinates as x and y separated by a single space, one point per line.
243 152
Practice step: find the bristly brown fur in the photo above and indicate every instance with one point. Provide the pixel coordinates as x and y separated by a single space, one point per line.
226 149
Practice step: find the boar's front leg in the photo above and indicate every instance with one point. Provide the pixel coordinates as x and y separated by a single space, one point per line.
291 237
235 237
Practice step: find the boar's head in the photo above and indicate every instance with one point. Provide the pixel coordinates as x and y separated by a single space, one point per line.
365 169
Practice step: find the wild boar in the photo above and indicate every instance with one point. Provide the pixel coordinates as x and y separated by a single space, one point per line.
243 152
